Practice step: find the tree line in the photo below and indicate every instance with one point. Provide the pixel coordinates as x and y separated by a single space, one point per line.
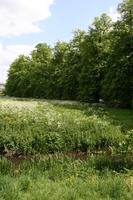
93 65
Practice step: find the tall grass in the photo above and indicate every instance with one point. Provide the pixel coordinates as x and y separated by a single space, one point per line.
31 127
63 178
51 152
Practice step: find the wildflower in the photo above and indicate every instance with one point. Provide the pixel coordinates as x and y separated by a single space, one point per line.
16 172
130 182
71 179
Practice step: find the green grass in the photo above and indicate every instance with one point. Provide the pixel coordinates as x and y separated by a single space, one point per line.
63 178
60 140
124 117
30 127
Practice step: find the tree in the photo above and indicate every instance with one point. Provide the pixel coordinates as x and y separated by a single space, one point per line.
59 61
18 79
72 68
39 74
93 65
94 59
117 86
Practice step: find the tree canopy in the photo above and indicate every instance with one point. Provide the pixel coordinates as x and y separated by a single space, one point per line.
94 65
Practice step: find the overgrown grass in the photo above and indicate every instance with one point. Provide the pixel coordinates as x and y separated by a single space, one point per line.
49 133
63 178
31 127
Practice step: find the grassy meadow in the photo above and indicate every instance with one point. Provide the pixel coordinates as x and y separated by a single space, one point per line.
64 150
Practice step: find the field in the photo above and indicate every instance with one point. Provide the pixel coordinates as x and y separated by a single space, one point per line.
64 150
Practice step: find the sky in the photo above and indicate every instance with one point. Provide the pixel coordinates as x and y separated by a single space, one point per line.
25 23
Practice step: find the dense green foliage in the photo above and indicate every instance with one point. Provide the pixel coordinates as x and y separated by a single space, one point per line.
29 127
92 66
117 86
64 150
63 178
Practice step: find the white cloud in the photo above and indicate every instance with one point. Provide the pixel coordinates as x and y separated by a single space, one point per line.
22 16
8 54
114 15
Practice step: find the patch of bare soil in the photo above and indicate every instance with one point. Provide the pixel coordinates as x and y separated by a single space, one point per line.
18 159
